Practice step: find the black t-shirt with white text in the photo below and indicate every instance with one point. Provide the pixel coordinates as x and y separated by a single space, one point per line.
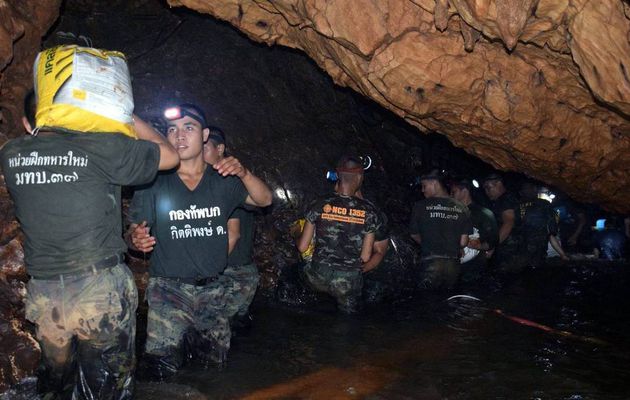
190 226
440 222
66 189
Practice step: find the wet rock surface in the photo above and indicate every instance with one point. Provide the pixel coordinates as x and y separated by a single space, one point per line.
19 352
22 26
539 86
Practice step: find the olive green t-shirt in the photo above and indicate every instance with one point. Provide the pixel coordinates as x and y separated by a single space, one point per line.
66 189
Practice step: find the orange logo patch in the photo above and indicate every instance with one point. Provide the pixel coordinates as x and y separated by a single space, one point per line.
342 214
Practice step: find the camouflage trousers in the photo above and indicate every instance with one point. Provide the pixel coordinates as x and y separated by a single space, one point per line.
86 325
439 273
345 286
186 320
534 250
509 257
245 279
474 270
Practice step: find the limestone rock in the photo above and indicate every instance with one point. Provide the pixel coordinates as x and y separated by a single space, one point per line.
22 25
538 86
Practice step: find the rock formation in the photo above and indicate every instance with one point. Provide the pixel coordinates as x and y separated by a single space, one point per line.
22 25
539 86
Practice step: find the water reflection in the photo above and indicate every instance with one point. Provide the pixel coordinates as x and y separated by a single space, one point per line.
430 348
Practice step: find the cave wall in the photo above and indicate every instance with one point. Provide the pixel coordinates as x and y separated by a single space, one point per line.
538 86
22 25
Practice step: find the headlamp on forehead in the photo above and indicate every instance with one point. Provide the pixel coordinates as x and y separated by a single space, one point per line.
172 113
178 112
365 161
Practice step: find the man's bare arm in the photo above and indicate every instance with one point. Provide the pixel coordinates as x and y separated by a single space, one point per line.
234 233
259 194
306 237
378 254
169 158
366 247
508 219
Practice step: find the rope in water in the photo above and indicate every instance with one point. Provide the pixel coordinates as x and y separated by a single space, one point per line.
526 322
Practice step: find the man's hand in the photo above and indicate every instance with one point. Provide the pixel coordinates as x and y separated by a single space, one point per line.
140 237
474 244
231 166
366 267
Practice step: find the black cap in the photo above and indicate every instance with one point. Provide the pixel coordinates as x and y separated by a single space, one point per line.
493 177
216 135
463 183
434 174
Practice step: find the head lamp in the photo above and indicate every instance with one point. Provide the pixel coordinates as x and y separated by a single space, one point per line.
178 112
366 161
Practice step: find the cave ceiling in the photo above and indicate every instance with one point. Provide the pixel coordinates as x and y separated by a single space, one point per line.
536 86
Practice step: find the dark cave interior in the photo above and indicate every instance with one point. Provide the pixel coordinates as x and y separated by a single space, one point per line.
283 117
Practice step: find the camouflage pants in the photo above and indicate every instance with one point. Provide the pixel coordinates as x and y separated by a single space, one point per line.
439 273
509 258
474 270
86 325
344 286
535 250
246 279
184 320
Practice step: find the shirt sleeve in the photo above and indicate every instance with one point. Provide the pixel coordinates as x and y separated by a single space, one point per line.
238 213
489 230
237 192
313 212
467 226
371 221
508 203
131 162
382 231
142 207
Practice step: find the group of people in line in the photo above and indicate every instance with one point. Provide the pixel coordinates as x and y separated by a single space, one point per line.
461 241
192 210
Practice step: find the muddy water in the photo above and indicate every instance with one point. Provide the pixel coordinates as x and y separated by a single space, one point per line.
561 334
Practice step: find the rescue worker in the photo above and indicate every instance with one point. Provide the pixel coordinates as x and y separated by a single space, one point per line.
609 241
441 226
344 227
486 233
81 297
538 222
506 256
182 218
240 264
572 224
